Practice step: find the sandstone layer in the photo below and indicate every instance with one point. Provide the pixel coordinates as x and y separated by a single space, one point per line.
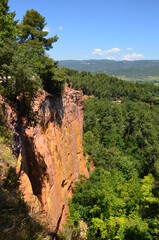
51 156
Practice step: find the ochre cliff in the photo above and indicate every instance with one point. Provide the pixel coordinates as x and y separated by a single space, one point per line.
51 156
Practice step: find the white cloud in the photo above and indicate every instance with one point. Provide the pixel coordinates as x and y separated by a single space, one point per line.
129 49
133 56
47 29
112 50
99 51
60 28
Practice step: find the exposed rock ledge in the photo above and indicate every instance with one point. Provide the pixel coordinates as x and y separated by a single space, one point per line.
51 156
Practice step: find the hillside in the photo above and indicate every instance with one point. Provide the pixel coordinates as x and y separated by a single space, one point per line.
136 70
120 198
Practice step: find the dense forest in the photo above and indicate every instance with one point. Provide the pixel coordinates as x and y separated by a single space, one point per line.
120 199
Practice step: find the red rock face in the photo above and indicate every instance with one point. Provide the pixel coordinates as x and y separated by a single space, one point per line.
51 157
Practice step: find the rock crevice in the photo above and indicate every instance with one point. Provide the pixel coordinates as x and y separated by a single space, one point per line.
51 155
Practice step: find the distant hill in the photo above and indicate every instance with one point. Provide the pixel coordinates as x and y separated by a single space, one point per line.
125 69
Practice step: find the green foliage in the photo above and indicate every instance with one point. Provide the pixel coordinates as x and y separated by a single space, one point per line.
6 157
15 221
21 82
32 31
7 23
146 190
136 228
34 37
5 133
115 208
110 195
69 232
121 135
8 33
53 78
11 180
112 88
24 65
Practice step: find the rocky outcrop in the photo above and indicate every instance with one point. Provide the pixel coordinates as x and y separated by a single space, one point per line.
51 156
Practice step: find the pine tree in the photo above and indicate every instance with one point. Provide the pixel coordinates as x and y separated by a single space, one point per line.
7 23
32 31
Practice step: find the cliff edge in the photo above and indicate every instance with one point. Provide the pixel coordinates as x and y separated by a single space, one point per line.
51 156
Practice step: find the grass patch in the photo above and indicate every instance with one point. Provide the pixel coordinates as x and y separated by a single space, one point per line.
15 221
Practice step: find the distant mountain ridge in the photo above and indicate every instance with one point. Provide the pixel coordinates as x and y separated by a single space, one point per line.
139 68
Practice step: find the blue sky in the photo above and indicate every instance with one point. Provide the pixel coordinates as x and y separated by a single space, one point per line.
98 29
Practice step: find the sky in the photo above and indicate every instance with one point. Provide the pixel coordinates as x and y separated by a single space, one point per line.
98 29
